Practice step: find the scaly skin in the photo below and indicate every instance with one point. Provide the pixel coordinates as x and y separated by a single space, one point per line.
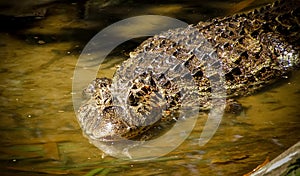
253 49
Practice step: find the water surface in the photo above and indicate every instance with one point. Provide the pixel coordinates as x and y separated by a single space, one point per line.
39 132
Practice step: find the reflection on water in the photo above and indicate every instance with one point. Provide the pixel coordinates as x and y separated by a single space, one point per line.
39 131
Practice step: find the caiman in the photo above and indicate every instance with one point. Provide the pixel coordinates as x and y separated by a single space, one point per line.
253 49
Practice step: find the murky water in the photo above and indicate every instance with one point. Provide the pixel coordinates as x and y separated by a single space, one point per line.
39 131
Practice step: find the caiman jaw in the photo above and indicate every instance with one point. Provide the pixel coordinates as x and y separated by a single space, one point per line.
110 126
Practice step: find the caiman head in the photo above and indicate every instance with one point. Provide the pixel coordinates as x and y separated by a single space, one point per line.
102 120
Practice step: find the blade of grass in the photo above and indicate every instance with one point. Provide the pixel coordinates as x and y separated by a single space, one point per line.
94 172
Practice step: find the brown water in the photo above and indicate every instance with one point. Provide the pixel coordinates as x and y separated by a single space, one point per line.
39 132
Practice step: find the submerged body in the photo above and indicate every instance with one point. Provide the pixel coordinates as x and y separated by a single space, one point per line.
252 49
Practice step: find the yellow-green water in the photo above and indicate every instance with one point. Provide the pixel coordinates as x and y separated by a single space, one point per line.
39 131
